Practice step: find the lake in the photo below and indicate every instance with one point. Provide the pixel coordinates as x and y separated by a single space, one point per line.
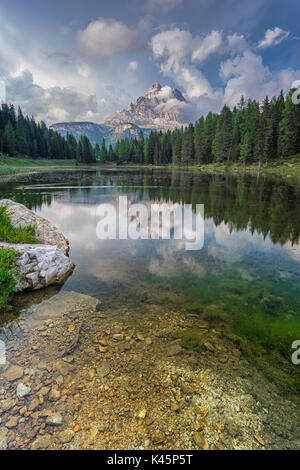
237 297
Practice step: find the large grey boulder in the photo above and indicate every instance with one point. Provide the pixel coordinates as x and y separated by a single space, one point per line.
46 232
38 266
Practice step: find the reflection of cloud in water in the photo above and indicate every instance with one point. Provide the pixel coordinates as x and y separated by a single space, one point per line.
172 260
114 260
107 260
110 270
294 251
78 223
230 246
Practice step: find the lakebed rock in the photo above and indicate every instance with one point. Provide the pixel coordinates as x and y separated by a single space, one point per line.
22 390
59 306
46 232
42 442
13 372
3 439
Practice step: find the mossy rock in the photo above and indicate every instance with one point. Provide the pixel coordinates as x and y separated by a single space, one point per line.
272 305
190 339
215 314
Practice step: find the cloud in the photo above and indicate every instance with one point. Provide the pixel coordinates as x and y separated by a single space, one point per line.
65 85
273 37
236 43
106 37
179 46
171 104
247 75
33 71
181 56
49 104
178 53
209 45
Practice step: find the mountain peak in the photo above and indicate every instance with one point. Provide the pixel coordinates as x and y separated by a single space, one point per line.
155 87
158 108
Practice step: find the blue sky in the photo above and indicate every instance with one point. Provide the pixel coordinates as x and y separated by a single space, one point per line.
82 60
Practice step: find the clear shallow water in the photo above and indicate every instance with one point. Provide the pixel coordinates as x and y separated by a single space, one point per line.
247 272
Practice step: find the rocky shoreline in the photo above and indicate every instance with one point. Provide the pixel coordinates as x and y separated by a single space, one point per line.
43 264
81 378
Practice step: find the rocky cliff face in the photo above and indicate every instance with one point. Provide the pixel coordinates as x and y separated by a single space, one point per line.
159 108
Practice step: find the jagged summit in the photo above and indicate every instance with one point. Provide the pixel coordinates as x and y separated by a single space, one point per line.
158 108
154 89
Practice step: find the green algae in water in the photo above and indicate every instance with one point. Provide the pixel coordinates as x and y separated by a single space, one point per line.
261 324
191 340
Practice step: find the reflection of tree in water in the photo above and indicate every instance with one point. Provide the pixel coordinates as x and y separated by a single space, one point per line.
260 204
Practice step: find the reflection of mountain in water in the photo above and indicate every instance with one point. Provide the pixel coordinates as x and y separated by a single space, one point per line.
261 205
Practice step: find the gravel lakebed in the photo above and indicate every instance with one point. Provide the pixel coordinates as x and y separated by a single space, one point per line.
81 377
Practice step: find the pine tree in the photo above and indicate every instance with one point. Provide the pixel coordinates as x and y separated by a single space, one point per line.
9 139
177 145
21 135
187 148
103 152
290 128
198 140
222 143
264 142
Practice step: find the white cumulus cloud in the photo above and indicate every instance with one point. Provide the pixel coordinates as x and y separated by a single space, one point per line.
178 53
273 37
247 75
50 104
107 37
181 57
236 43
209 45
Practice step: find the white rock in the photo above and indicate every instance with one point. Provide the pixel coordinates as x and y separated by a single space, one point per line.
59 266
54 419
46 232
22 390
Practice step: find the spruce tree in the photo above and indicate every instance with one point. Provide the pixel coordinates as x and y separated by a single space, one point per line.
9 138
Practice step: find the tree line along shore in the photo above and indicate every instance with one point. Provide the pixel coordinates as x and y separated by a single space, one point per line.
250 133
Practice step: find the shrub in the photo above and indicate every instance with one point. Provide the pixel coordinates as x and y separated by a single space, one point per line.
7 275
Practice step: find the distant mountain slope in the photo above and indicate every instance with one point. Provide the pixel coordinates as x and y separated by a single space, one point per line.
160 109
95 132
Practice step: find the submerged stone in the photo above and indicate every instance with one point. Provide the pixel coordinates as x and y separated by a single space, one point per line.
22 390
104 369
13 373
